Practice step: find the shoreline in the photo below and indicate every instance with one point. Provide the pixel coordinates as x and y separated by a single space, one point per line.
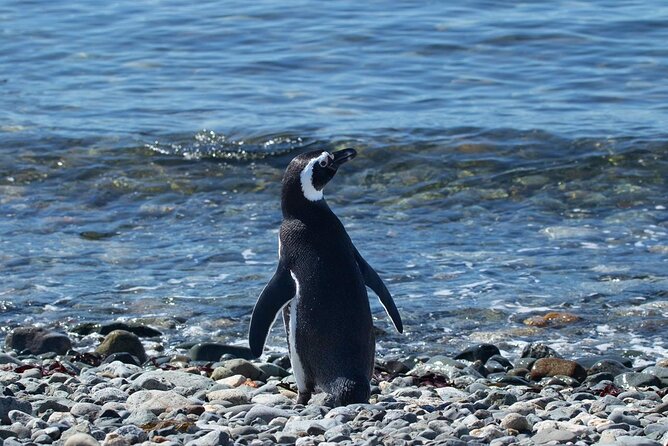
476 397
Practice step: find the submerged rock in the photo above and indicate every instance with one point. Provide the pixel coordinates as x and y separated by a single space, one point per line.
121 341
551 319
138 329
480 352
37 340
539 350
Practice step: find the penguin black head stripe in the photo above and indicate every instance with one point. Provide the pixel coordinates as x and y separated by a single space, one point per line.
320 286
314 170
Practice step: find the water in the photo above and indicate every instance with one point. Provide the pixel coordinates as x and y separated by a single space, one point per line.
513 161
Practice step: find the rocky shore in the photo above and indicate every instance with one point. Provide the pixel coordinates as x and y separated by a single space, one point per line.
118 395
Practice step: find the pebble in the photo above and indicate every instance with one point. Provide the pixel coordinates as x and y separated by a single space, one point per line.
553 435
212 351
121 341
37 340
244 368
538 350
81 439
480 352
633 379
516 422
556 367
156 401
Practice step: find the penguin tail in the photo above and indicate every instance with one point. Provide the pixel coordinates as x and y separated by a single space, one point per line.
348 391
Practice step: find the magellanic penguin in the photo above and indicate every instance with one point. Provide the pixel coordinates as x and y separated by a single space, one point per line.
320 286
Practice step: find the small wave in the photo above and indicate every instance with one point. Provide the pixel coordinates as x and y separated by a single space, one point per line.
207 144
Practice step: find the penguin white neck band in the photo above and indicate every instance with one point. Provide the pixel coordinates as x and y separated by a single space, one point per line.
306 177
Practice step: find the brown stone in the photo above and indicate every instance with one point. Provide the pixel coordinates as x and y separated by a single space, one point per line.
122 341
553 318
557 366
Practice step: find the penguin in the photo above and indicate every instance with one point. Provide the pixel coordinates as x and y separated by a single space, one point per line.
320 287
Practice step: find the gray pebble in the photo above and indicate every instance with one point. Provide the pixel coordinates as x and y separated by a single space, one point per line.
213 438
9 403
81 439
265 413
516 422
553 435
633 379
619 416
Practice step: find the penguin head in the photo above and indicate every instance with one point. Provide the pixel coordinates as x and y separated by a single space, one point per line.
308 173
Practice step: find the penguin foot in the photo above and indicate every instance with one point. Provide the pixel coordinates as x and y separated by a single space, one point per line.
303 397
348 391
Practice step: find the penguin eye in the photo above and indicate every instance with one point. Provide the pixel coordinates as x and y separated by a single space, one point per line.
323 163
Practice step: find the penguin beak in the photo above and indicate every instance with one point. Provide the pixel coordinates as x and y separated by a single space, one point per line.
341 157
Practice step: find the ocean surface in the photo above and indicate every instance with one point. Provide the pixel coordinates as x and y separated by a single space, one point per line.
513 161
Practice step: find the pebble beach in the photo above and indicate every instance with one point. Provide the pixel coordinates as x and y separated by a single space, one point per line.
117 395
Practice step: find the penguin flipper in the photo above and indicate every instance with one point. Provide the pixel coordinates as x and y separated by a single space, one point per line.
373 281
278 292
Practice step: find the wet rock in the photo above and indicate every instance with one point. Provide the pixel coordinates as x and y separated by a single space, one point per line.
392 366
598 377
85 328
123 357
589 361
524 363
557 366
633 379
140 330
480 352
245 368
122 341
212 351
37 340
440 366
608 366
539 350
659 372
273 370
9 403
552 319
8 359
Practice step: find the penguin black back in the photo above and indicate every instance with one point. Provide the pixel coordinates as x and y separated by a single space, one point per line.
319 285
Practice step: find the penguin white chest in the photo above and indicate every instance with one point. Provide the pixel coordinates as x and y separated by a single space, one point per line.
297 366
